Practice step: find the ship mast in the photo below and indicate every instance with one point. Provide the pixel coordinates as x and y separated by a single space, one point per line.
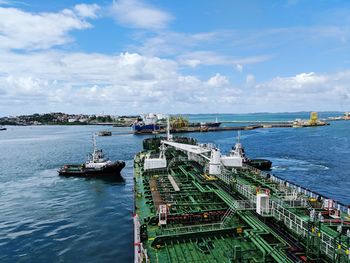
94 145
168 136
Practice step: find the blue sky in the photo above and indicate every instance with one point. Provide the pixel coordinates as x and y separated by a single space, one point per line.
134 56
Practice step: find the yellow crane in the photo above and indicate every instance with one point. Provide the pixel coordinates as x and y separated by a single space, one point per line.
313 118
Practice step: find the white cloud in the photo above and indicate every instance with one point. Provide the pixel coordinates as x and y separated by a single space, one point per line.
195 50
305 82
250 80
304 91
165 43
218 81
210 58
25 86
239 68
191 62
85 10
12 2
24 30
140 80
135 14
132 83
126 83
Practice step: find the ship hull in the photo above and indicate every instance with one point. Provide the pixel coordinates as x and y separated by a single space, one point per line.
261 164
206 124
213 124
78 170
146 128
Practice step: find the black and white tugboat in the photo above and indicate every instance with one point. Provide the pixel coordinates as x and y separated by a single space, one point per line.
261 164
96 166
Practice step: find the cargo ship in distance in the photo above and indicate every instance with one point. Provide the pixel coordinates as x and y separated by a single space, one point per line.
155 123
97 166
148 123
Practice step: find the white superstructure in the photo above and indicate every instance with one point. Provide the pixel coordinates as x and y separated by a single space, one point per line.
97 159
210 153
156 163
236 156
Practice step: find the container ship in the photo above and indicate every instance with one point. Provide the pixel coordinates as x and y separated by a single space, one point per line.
194 204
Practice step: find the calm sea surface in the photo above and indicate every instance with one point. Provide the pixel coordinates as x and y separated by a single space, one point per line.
45 218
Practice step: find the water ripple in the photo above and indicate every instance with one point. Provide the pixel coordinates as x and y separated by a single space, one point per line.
46 218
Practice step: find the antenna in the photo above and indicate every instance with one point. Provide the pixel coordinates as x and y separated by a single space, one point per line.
238 136
168 135
94 141
167 128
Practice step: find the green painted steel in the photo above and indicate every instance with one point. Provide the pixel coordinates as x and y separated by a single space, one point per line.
214 220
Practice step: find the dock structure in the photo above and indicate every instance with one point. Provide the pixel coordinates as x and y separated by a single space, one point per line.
256 125
224 128
184 213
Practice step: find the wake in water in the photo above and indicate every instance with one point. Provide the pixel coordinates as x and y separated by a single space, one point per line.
287 164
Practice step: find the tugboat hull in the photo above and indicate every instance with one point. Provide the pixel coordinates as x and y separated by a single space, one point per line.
79 170
261 164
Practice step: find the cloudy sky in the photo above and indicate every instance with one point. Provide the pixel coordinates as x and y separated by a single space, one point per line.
198 56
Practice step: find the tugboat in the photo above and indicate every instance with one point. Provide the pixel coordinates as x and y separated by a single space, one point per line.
96 166
261 164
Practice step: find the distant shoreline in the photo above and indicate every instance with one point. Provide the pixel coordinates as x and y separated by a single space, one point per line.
65 124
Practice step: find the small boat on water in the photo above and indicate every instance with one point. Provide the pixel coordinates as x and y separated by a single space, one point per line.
97 166
104 133
261 164
3 128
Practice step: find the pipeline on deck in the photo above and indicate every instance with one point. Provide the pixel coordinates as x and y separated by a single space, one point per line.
214 218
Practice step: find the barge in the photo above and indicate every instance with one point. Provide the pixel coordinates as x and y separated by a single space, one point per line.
193 204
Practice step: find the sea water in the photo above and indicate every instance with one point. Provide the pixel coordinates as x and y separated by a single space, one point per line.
47 218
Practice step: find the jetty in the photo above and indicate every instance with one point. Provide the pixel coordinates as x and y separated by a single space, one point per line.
179 125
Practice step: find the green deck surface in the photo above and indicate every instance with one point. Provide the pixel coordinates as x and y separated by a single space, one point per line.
210 220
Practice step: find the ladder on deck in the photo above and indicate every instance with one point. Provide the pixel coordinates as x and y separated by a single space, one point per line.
227 216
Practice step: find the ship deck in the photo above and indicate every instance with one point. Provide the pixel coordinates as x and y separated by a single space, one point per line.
214 218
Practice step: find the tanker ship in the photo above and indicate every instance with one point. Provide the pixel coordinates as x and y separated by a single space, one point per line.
194 204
